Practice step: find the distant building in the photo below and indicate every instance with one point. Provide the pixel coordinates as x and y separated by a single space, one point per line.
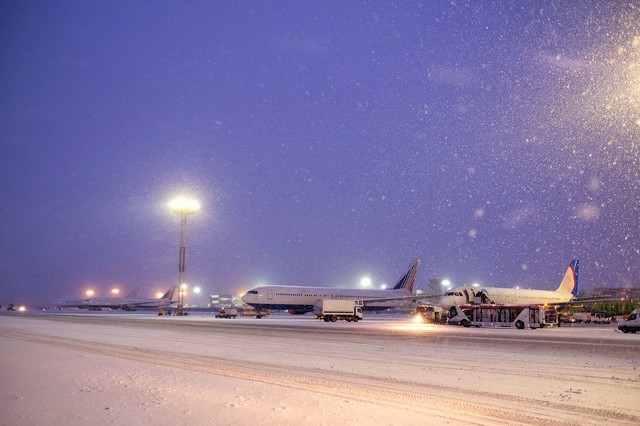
436 285
632 293
221 300
224 300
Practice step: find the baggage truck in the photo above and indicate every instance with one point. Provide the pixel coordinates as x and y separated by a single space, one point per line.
430 314
227 313
332 310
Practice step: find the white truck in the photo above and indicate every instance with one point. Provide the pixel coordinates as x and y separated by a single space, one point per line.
581 317
227 313
332 310
631 324
591 318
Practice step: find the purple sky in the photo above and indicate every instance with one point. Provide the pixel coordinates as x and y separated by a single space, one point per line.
325 140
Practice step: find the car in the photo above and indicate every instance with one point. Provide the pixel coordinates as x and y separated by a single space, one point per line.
631 324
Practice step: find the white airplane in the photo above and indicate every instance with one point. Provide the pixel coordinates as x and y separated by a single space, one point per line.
300 299
565 293
128 303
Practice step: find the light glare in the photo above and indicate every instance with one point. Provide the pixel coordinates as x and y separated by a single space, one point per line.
184 206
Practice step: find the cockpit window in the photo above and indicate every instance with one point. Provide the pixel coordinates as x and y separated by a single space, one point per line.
252 292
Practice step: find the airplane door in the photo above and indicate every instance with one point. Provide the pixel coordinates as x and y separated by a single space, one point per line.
270 294
468 296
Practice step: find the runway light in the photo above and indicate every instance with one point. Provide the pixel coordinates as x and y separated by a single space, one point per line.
159 295
115 291
22 309
89 292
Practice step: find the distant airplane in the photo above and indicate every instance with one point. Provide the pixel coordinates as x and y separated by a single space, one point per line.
128 303
300 299
566 293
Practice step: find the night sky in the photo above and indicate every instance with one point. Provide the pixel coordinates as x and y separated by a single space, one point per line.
326 140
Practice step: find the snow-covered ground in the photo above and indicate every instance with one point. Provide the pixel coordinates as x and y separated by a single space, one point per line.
386 370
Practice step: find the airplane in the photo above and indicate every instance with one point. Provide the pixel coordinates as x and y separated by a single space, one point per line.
566 293
128 303
300 299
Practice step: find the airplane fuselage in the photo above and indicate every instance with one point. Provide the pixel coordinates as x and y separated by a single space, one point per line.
566 291
300 299
504 296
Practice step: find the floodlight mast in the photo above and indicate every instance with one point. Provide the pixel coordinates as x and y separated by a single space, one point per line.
183 207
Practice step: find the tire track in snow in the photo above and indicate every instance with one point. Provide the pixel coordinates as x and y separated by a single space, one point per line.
452 402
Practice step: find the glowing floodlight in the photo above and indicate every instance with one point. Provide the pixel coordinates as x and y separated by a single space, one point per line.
184 206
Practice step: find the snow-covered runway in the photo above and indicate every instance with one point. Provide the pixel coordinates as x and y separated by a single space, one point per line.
144 369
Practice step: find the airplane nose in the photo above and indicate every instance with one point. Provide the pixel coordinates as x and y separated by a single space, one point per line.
446 302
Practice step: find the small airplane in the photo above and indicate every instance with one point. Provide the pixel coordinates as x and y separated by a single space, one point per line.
566 293
301 299
128 303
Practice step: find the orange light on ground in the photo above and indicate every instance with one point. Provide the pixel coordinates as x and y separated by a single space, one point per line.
115 291
90 292
159 295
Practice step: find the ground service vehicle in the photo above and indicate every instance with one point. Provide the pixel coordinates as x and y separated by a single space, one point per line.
253 312
582 317
631 324
332 310
227 313
591 317
600 318
431 314
519 316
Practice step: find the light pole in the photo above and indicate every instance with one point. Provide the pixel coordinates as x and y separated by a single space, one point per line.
184 207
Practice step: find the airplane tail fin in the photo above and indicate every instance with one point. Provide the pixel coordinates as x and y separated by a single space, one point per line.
169 294
409 277
570 281
133 293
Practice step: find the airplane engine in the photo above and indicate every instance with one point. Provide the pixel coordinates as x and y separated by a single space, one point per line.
297 311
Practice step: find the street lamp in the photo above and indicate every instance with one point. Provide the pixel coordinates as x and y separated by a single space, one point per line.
184 207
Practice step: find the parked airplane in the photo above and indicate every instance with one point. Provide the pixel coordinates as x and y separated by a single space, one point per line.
565 293
129 303
300 299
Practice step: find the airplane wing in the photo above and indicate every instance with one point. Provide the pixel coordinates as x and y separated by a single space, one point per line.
412 298
589 299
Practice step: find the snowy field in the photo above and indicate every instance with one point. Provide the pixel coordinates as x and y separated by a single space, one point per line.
101 368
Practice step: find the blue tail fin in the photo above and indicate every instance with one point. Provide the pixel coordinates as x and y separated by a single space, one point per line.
575 265
570 281
408 279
